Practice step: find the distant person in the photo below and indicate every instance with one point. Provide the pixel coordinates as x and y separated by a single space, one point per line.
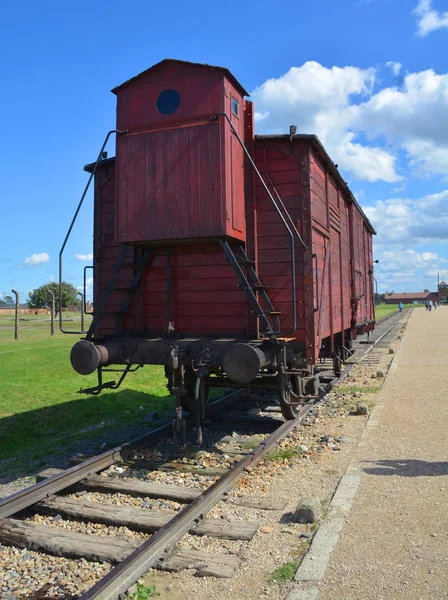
400 307
430 305
426 305
435 305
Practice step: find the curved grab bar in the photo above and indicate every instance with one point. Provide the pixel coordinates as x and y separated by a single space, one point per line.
98 160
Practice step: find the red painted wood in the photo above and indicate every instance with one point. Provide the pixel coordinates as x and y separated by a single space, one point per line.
180 175
182 178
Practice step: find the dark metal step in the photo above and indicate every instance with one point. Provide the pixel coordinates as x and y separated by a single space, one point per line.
246 261
134 266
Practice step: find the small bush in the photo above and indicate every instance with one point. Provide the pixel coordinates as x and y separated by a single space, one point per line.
144 592
285 573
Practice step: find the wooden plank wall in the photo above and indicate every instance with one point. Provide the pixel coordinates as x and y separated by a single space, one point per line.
273 240
206 296
331 233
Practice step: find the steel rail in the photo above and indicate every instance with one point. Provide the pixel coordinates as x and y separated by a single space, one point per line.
121 577
35 493
151 552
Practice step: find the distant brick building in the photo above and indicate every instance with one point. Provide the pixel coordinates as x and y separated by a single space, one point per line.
410 297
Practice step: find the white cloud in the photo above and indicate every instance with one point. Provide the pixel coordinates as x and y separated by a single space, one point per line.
317 100
406 270
409 222
35 260
84 256
89 286
428 19
412 116
366 162
395 67
341 104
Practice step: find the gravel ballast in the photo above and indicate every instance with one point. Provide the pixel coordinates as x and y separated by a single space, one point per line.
314 459
394 543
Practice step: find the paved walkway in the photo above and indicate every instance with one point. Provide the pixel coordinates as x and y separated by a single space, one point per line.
393 542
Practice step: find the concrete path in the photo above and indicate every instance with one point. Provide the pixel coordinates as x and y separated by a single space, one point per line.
393 538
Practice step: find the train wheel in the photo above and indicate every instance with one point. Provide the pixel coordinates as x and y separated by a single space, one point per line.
190 381
290 411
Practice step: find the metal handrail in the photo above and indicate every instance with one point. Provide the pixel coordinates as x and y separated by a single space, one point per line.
86 312
293 264
98 160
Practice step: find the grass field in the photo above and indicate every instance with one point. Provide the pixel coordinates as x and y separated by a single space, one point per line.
42 418
382 310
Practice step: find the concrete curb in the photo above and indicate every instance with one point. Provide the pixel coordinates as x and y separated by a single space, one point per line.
312 568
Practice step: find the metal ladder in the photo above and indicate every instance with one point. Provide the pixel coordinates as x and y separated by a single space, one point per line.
253 286
138 267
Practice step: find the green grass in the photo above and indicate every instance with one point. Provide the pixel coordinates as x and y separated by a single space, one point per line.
353 389
144 592
251 444
382 310
284 573
42 416
282 453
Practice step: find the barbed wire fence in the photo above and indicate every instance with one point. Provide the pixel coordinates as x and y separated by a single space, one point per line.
14 309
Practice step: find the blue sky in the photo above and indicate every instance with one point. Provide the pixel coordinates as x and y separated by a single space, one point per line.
368 76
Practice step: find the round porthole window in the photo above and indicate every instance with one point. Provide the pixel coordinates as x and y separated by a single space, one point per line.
168 101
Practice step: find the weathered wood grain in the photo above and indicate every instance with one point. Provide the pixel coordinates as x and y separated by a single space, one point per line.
62 542
141 519
131 487
260 504
207 565
153 465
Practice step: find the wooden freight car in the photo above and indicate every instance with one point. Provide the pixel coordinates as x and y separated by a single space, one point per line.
229 258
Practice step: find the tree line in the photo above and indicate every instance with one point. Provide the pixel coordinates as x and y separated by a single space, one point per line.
41 297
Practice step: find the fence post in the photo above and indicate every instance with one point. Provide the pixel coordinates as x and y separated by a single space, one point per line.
16 320
52 313
82 311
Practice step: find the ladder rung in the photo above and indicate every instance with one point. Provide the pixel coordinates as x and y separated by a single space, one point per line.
135 266
113 314
121 289
258 287
246 261
273 313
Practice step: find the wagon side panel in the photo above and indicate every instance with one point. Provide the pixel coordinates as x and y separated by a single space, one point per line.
285 173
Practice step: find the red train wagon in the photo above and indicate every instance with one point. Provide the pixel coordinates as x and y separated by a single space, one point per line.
229 258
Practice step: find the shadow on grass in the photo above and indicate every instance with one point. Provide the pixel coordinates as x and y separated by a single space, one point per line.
48 436
407 468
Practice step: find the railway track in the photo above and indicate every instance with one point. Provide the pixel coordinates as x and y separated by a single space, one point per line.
158 531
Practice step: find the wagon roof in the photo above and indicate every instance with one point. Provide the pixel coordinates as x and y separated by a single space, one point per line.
227 73
318 145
